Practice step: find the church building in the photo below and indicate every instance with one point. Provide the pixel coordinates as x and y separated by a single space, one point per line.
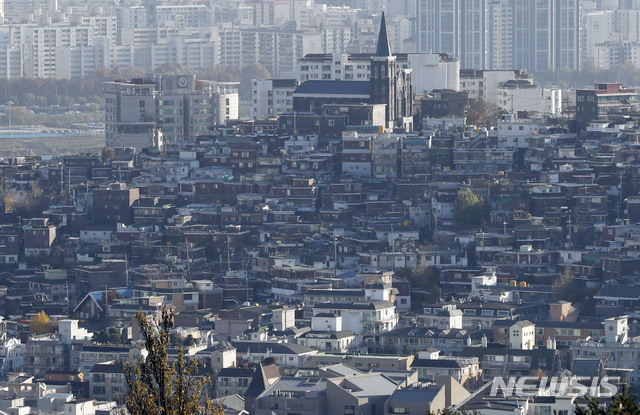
388 85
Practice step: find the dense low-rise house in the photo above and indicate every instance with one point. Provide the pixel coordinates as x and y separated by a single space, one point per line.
114 204
286 394
107 381
450 341
505 362
359 361
91 355
465 371
474 314
45 352
233 381
367 319
39 237
285 354
564 333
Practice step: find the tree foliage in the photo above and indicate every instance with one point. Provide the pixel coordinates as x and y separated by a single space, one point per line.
247 74
159 386
40 323
482 113
106 154
469 208
112 335
623 403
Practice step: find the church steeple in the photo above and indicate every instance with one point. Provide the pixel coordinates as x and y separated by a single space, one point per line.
383 48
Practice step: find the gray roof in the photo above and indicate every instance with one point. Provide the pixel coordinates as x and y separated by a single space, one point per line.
234 372
360 305
274 348
429 332
437 363
328 334
619 291
585 367
345 88
342 370
232 404
372 384
336 292
414 395
291 384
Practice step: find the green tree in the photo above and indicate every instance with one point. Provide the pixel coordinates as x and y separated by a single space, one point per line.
101 337
623 403
159 386
469 208
40 323
189 341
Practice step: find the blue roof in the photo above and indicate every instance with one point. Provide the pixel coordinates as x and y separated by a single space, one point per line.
334 88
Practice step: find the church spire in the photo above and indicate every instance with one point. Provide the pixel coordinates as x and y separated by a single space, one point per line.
383 48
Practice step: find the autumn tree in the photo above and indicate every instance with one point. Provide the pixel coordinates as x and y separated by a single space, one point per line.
40 323
159 386
106 154
482 113
248 73
469 208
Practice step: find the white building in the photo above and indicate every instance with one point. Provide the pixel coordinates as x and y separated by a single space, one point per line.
611 37
516 96
364 318
277 50
12 353
522 335
483 85
616 352
434 71
69 331
356 154
272 97
182 15
224 102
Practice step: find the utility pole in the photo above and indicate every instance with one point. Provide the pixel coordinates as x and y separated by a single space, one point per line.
393 249
228 255
335 255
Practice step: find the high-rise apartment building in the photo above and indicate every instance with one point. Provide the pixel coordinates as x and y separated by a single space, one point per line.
454 27
540 35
